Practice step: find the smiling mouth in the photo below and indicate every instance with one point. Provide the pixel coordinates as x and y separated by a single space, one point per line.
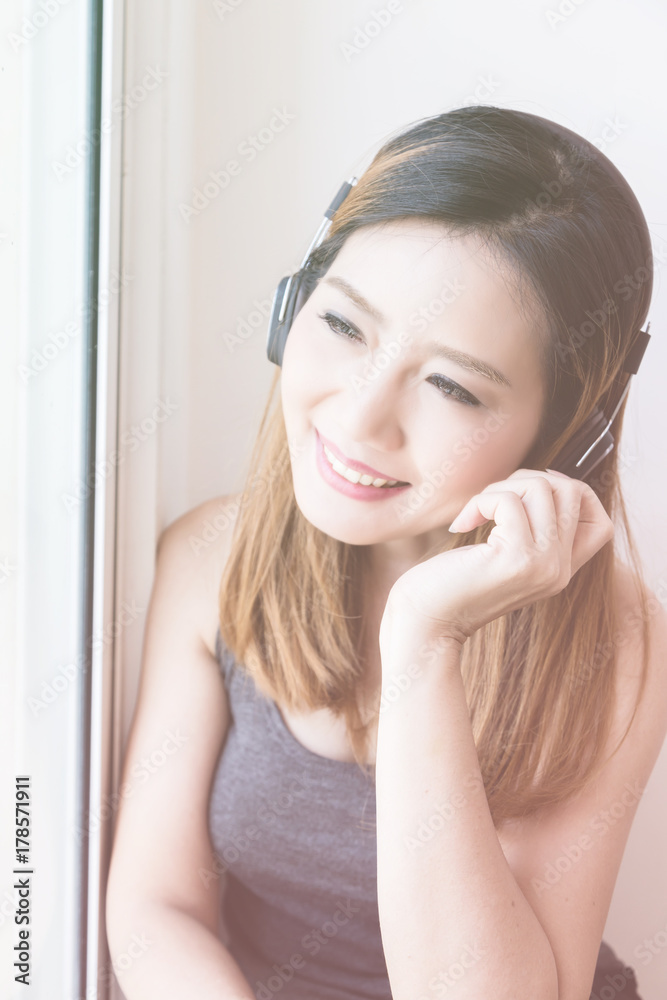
362 478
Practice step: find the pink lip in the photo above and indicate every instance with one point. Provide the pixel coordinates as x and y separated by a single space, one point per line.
354 490
356 466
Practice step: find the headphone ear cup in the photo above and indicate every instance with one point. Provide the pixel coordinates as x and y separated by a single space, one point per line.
567 458
277 335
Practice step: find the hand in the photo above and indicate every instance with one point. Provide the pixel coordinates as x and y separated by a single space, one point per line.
547 525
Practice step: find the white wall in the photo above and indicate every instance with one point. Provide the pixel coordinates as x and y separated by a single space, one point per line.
230 66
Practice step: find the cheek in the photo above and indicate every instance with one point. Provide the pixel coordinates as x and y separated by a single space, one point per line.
305 344
307 374
476 456
295 370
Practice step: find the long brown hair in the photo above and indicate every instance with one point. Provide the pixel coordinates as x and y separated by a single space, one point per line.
540 680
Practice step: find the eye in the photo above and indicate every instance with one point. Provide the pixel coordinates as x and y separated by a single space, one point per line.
339 326
453 390
446 386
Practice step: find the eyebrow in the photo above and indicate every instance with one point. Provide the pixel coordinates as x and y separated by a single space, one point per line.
467 361
352 293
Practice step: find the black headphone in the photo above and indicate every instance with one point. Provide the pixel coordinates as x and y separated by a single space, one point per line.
592 442
289 296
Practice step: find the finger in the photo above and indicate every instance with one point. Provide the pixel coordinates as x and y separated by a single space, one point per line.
582 524
593 530
559 480
573 506
561 531
505 507
568 509
538 495
539 499
567 496
558 477
585 523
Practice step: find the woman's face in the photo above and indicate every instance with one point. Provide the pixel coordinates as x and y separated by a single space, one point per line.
381 384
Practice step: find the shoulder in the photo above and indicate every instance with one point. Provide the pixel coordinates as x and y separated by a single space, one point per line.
194 548
181 708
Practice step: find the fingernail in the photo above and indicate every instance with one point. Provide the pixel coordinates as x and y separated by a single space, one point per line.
452 525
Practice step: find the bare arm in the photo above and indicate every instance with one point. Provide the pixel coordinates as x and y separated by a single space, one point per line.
452 915
162 915
466 908
163 953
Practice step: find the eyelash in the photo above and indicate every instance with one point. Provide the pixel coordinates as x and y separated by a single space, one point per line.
456 392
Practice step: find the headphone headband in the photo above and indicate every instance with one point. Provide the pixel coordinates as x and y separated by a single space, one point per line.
317 239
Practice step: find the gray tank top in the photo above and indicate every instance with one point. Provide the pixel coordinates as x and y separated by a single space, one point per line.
295 839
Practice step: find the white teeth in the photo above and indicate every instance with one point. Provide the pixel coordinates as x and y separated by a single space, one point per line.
355 477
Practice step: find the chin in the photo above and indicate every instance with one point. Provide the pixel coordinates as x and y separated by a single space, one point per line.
359 529
343 529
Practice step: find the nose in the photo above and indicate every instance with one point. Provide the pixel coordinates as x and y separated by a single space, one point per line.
372 410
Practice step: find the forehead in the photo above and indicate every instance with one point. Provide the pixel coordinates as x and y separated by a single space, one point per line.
417 253
443 286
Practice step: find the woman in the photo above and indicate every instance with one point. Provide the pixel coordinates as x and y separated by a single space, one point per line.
416 710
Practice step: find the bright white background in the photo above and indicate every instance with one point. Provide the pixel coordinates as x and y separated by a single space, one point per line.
198 282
